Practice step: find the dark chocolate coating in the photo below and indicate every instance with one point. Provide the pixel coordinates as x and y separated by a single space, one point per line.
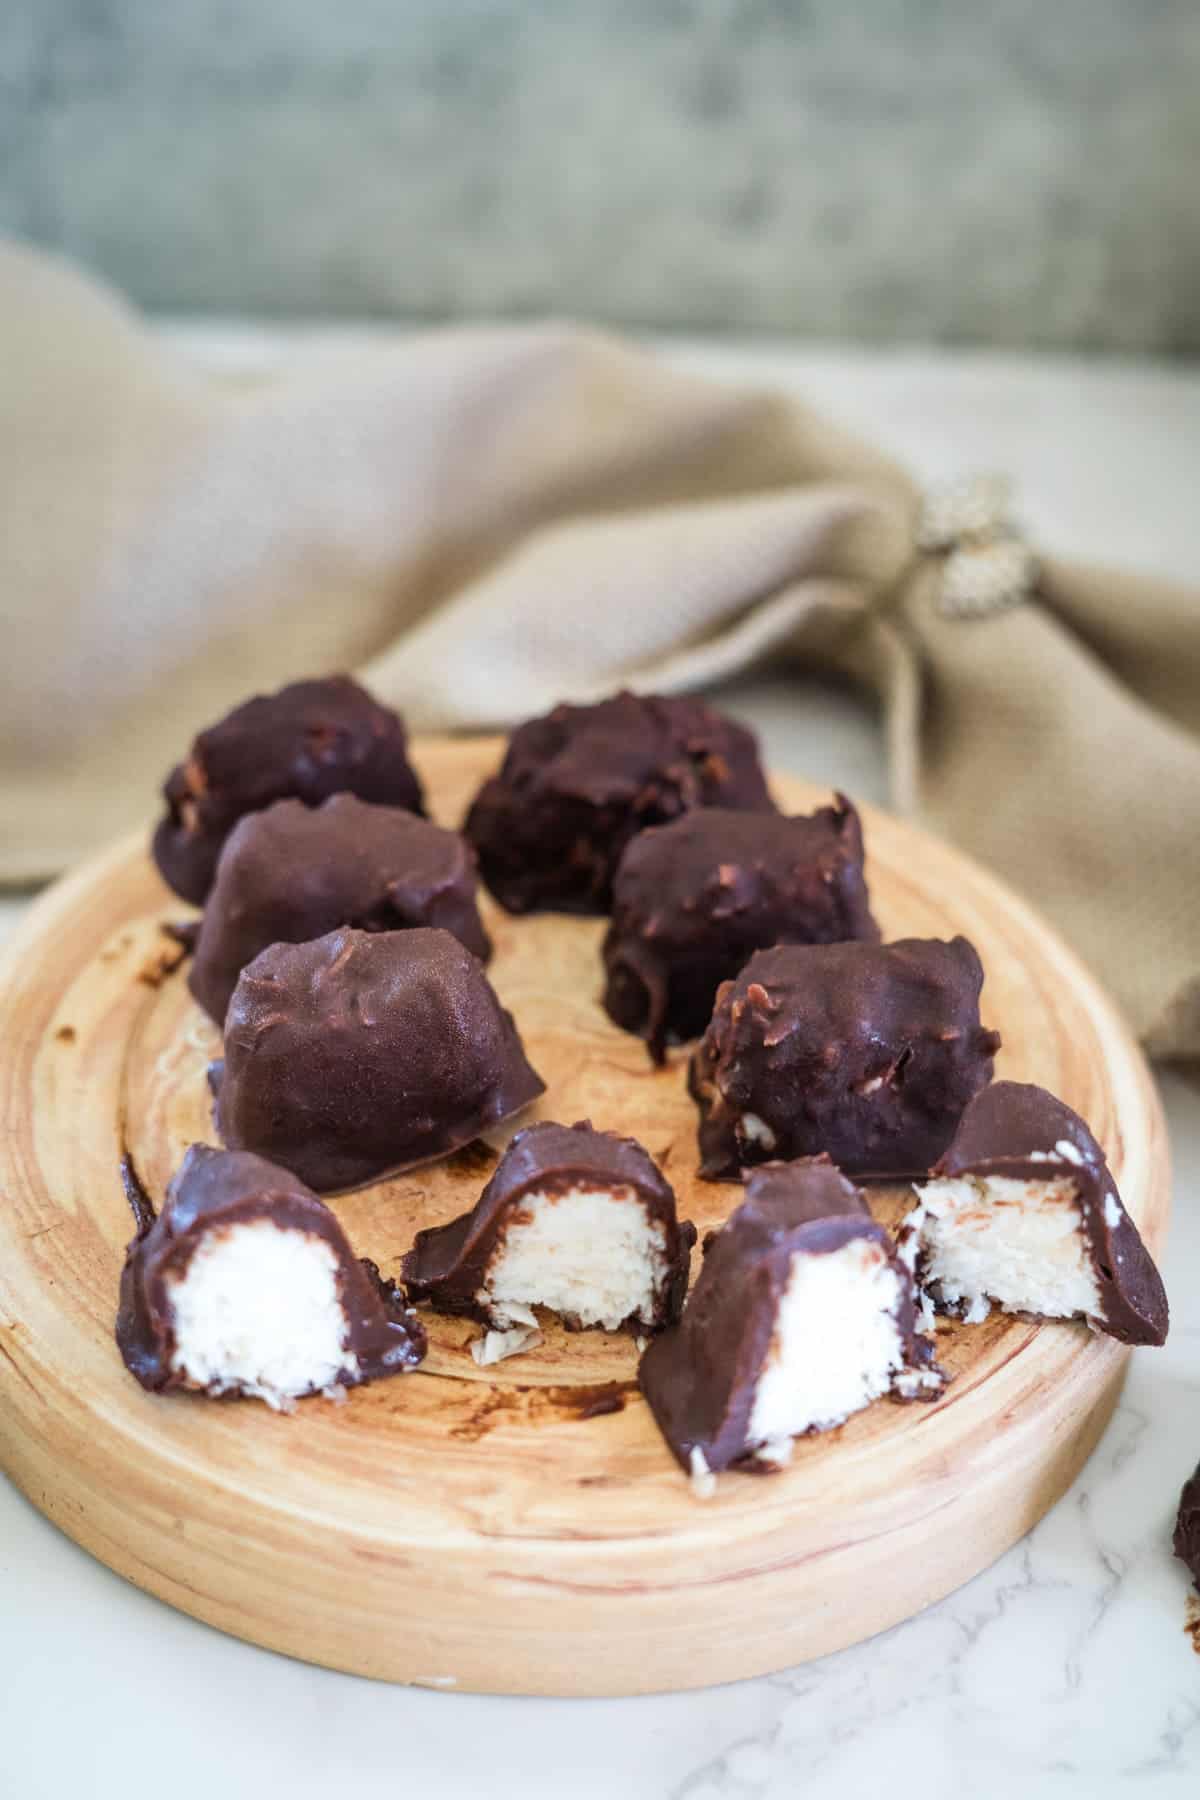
1186 1541
694 899
363 1053
576 785
804 1033
448 1264
999 1133
217 1189
294 872
701 1378
310 740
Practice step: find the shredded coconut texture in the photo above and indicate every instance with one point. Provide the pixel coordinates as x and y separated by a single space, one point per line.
836 1344
495 1346
589 1253
1018 1245
257 1310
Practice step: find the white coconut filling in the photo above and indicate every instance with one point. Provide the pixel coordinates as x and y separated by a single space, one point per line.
1016 1244
257 1309
836 1345
591 1253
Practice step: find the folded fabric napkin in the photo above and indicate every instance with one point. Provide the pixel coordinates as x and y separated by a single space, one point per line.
485 521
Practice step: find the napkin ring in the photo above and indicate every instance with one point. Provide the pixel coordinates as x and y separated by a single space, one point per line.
987 564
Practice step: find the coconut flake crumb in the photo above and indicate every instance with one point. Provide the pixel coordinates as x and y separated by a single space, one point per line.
908 1237
776 1452
1066 1149
704 1482
916 1384
513 1312
926 1314
757 1131
494 1346
1113 1211
641 1343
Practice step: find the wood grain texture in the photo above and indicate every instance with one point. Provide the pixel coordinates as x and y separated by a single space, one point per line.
478 1528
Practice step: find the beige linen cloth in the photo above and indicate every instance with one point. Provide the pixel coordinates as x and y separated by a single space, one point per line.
485 521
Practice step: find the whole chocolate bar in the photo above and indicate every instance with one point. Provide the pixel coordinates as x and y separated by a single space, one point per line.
694 899
579 1221
802 1314
310 740
576 785
1186 1542
363 1053
245 1284
1023 1212
294 872
866 1052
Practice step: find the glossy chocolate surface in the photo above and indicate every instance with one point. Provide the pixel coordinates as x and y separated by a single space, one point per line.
865 1052
700 1378
693 900
576 785
310 740
363 1053
1017 1130
294 872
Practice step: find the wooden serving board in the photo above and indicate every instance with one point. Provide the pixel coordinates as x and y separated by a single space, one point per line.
506 1529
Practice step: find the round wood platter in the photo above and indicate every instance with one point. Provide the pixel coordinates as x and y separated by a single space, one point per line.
520 1528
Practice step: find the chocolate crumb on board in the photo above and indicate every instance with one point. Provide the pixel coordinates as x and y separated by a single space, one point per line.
610 1399
473 1159
181 931
494 1405
160 965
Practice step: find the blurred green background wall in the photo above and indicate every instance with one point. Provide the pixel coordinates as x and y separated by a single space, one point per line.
1025 172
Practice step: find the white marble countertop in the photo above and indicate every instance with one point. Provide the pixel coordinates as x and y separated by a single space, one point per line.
1064 1671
